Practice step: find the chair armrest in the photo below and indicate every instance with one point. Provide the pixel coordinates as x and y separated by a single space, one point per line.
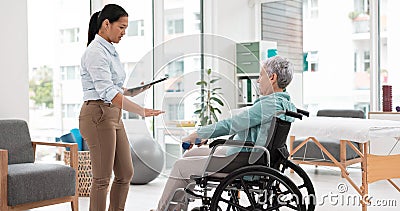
55 144
3 177
231 143
73 148
3 160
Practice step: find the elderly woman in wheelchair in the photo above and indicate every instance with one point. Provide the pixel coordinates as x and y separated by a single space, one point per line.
249 174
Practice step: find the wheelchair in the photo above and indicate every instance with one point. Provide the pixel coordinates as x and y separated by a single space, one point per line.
252 179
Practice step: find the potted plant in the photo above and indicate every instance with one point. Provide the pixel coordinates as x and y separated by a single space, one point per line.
209 100
354 14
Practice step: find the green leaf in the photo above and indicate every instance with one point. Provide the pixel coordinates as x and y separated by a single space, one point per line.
201 83
209 71
219 111
217 100
216 93
198 111
216 88
214 80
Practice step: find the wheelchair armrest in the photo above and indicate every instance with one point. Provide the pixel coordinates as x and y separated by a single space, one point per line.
230 143
303 112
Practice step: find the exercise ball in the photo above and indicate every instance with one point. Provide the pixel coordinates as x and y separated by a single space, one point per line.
147 158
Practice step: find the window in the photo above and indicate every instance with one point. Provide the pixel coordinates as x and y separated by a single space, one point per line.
355 61
69 25
177 95
175 112
129 115
136 28
56 46
346 64
312 60
175 70
389 45
197 21
366 61
70 110
361 6
175 26
70 72
69 35
311 9
362 61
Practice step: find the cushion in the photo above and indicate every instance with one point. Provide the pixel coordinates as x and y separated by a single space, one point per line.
227 164
341 113
311 152
14 137
31 182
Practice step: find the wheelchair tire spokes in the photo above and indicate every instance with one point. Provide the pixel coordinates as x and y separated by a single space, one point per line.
250 196
305 185
233 205
261 188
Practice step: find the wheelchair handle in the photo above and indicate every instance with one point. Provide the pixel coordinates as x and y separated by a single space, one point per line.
303 112
293 114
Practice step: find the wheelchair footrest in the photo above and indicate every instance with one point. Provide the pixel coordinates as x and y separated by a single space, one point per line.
204 199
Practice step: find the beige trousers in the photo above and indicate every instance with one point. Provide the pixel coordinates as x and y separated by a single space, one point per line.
101 126
192 163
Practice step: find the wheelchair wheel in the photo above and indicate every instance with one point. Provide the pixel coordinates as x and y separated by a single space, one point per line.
302 182
256 188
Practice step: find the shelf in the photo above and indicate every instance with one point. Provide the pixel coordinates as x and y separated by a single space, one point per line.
245 75
248 60
244 104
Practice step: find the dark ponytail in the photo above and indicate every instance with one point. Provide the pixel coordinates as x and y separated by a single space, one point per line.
112 12
93 29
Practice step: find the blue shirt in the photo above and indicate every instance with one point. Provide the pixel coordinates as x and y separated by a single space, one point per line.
252 124
102 73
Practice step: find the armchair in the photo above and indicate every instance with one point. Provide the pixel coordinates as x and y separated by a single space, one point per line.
25 184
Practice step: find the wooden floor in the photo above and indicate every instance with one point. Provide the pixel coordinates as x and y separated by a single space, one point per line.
326 180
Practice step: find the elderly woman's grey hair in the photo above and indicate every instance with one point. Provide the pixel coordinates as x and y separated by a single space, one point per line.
282 67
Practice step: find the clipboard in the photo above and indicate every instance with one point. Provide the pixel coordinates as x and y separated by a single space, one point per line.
147 84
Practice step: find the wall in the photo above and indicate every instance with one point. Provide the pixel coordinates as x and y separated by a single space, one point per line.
14 60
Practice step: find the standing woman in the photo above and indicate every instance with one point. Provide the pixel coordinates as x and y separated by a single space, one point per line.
100 117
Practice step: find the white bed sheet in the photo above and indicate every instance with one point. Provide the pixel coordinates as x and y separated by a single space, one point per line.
353 129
